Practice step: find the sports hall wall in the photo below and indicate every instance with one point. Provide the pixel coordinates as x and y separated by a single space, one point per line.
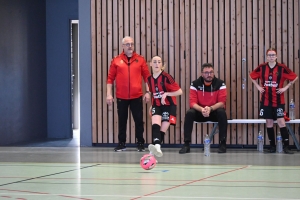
233 35
23 98
35 69
58 46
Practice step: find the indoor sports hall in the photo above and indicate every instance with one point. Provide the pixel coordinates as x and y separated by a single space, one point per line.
58 132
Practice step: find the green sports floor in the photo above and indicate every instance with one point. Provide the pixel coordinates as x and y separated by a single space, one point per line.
62 170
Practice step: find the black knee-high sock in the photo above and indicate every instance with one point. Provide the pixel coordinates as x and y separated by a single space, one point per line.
162 135
156 134
285 136
271 136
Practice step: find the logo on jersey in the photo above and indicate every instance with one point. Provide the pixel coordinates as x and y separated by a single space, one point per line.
280 112
270 78
165 116
200 87
172 120
270 84
158 95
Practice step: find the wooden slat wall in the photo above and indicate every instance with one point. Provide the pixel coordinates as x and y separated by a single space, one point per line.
231 34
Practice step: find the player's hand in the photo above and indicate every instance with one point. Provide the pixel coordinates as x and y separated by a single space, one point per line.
281 90
109 100
163 98
206 111
147 97
261 89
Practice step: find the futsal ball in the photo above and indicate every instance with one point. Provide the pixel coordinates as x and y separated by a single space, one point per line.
148 162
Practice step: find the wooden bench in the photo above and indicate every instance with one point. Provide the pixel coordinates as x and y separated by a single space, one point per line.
255 121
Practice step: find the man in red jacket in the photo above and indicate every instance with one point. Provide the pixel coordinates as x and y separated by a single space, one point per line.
128 69
207 101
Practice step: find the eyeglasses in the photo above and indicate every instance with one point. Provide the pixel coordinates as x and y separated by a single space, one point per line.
271 55
207 73
129 44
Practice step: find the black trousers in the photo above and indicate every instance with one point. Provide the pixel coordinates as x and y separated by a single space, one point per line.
136 107
192 115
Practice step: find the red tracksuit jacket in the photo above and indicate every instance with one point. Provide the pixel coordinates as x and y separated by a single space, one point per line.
128 75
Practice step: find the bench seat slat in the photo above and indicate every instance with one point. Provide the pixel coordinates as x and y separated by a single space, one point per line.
255 121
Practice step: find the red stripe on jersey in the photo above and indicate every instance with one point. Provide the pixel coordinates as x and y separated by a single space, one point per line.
158 86
271 80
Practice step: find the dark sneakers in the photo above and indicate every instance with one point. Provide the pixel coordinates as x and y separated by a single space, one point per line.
222 148
286 150
272 149
185 149
121 147
140 147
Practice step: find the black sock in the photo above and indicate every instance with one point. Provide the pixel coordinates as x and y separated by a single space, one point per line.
156 134
271 136
223 142
285 136
162 136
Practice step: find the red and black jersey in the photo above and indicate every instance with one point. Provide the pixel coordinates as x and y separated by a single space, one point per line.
207 95
272 79
158 86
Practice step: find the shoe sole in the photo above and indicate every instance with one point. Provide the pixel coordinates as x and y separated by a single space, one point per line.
119 150
288 152
141 150
154 151
184 152
268 152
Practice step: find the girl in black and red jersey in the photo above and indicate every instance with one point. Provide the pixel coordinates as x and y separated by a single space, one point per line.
272 75
164 90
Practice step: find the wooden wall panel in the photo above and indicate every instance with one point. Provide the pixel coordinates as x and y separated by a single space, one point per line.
227 66
170 57
181 66
256 61
244 71
249 67
231 34
177 68
220 47
239 75
148 58
233 78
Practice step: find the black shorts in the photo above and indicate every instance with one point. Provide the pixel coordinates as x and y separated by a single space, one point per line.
268 112
167 113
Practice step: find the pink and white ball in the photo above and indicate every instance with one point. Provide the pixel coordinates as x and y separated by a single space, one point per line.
148 162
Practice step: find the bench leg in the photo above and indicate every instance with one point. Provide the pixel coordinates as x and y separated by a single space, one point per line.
213 132
293 136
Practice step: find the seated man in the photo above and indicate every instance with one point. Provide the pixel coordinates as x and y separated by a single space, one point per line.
207 102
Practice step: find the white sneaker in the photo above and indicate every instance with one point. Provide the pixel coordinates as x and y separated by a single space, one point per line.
155 149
